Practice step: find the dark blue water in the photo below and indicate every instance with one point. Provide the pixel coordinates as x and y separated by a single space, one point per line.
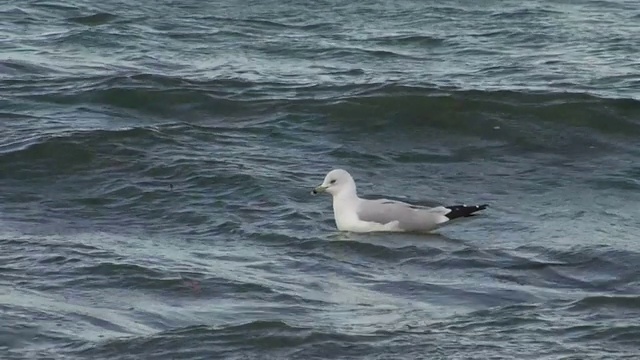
156 160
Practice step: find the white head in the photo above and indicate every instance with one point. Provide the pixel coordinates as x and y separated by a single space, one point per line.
337 182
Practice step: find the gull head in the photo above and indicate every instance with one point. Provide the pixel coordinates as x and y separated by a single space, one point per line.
336 182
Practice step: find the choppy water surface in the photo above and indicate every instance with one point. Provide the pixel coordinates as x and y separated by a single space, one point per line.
156 160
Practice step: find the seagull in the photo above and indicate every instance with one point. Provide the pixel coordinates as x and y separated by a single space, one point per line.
354 214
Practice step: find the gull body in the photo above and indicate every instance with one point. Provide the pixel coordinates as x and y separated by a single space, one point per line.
354 214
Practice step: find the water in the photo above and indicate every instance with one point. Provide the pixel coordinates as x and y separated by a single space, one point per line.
157 157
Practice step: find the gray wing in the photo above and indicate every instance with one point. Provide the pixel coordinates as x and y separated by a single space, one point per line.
414 203
408 216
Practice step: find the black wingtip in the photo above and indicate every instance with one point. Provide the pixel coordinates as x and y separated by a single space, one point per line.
458 211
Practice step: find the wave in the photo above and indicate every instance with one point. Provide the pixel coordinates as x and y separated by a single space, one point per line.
606 303
94 19
450 109
264 336
72 151
553 115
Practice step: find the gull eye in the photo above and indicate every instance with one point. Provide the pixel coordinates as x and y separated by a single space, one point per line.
332 181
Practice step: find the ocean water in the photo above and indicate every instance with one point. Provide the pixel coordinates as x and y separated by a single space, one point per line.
157 157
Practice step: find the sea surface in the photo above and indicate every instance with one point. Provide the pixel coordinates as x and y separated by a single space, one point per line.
157 158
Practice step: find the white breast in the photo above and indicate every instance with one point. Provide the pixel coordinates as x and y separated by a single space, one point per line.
344 214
